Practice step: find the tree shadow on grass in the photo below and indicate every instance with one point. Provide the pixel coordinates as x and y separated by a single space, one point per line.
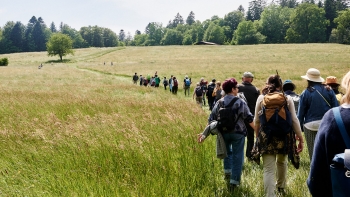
59 61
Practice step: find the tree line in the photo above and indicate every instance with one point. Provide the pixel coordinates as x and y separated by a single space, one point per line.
284 21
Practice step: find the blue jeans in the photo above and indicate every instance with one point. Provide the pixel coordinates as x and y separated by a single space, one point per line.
233 163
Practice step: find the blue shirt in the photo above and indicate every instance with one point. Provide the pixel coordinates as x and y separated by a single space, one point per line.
240 108
312 106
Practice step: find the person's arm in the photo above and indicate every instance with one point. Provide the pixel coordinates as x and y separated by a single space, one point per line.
302 108
256 115
296 125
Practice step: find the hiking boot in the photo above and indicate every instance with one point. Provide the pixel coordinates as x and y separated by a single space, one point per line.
281 190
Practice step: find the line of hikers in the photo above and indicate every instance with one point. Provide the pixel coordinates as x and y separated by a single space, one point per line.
276 119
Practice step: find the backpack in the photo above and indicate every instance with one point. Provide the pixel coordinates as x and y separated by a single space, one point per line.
165 82
340 167
275 117
135 78
175 83
187 82
199 91
210 90
225 116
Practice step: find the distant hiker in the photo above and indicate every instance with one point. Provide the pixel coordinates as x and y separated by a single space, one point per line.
141 80
203 85
104 63
230 112
171 83
251 94
152 81
111 63
40 66
187 84
145 82
135 78
209 94
165 83
198 94
217 92
288 89
273 143
157 81
332 82
175 85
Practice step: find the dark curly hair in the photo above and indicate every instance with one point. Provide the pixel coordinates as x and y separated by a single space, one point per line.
273 82
229 84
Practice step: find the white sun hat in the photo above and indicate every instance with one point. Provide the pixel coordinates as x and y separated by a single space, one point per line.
313 75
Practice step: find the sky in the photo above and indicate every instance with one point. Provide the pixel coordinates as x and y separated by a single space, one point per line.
129 15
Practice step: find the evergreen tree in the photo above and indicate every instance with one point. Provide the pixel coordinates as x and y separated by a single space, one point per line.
29 44
17 37
178 20
342 4
137 32
241 9
320 4
255 9
97 40
331 14
39 36
53 27
122 35
190 19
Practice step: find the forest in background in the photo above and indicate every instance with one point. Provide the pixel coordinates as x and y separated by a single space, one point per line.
285 21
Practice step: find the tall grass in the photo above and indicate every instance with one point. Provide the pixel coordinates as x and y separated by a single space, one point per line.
81 128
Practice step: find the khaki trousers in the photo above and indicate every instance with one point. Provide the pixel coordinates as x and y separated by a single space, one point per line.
270 173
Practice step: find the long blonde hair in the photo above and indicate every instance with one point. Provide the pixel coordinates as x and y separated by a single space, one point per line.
345 83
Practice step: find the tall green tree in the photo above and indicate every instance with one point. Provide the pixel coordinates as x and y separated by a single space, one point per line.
59 44
6 45
275 22
110 38
331 14
342 4
342 33
232 19
214 33
97 40
53 27
172 37
190 18
29 44
78 41
87 34
247 33
155 32
17 37
308 24
122 35
39 35
256 7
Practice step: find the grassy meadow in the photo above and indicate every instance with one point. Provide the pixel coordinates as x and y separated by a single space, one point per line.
81 128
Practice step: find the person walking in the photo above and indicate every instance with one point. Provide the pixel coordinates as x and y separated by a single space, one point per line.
204 87
217 92
288 88
251 94
274 149
198 94
187 85
332 82
141 80
234 138
314 102
157 81
165 83
175 85
328 142
135 78
171 83
209 94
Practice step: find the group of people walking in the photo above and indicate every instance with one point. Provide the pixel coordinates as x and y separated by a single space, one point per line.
273 121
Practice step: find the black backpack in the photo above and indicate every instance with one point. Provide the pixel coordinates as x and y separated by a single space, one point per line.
199 91
225 117
210 90
275 117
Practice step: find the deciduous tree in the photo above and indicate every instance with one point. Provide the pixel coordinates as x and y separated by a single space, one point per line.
246 33
59 44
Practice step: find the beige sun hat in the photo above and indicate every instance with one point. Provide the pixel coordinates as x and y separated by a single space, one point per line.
313 75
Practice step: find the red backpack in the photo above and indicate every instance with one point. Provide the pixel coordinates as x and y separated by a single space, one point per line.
175 83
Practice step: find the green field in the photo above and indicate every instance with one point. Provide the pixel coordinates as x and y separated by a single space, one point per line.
81 128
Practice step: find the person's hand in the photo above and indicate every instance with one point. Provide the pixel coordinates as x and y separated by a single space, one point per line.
201 138
300 144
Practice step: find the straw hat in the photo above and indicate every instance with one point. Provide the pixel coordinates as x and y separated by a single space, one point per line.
313 75
331 80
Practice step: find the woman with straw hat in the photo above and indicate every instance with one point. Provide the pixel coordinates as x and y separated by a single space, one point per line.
314 102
